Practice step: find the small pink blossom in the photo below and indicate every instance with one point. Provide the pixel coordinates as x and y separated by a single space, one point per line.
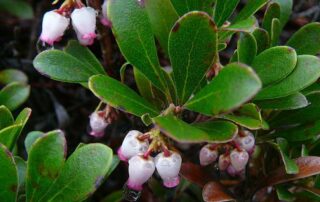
224 162
98 124
208 155
247 142
239 159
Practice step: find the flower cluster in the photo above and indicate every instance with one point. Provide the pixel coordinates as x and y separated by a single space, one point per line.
231 157
83 19
136 149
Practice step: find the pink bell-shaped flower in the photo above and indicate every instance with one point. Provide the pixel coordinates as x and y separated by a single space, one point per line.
84 23
98 124
132 146
247 141
224 162
104 19
53 27
140 170
168 168
231 171
208 155
239 159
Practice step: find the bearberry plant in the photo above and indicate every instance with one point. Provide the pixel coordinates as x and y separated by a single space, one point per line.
243 128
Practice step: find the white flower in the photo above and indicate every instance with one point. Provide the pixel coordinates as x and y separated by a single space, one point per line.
132 146
140 170
104 19
239 159
53 27
168 168
84 23
97 123
224 162
208 155
247 142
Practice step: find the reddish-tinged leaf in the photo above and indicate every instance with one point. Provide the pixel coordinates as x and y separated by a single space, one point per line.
214 192
195 174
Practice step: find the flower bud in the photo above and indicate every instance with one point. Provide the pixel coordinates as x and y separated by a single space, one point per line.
208 155
239 159
140 170
132 146
224 162
53 27
98 124
168 168
104 19
84 23
247 142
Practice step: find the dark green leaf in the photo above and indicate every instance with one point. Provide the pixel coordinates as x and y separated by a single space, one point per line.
31 138
162 16
45 161
247 48
307 71
223 10
234 85
185 6
133 32
120 96
82 174
273 11
262 39
275 31
19 8
21 168
291 102
6 118
84 54
274 64
8 176
12 75
307 39
251 7
192 47
214 131
14 94
286 9
304 151
248 116
284 194
61 66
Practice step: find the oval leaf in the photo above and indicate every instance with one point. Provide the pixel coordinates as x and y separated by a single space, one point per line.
45 160
262 39
307 71
215 192
234 85
192 47
273 11
6 118
223 10
12 75
185 6
195 173
251 7
31 138
274 64
82 174
247 48
285 10
120 96
14 94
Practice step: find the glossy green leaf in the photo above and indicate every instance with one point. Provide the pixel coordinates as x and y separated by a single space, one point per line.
248 116
262 39
45 161
185 6
6 118
310 113
31 138
12 75
8 176
120 96
291 102
133 32
213 132
223 10
284 194
307 71
273 11
285 10
192 47
274 64
62 66
14 94
290 165
251 7
22 169
81 175
19 8
307 39
247 48
275 31
314 88
84 54
234 85
162 17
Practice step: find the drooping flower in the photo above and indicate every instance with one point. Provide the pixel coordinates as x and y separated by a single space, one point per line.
98 124
53 27
168 168
208 155
140 170
84 24
224 161
246 141
132 145
239 159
